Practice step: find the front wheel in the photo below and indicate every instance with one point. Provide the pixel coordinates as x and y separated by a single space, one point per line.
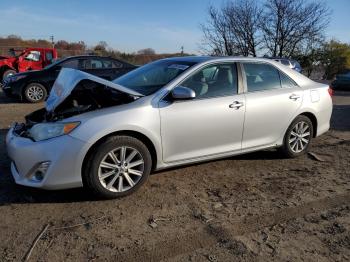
298 137
117 167
8 73
35 93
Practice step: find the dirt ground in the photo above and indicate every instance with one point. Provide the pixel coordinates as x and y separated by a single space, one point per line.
255 207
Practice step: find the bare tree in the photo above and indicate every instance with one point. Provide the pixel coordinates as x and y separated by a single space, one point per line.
215 40
287 25
243 21
233 29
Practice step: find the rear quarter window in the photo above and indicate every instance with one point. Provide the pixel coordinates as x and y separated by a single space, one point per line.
286 81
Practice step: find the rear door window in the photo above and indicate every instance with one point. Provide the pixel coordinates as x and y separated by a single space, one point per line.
73 63
111 64
93 64
49 56
107 64
260 77
117 64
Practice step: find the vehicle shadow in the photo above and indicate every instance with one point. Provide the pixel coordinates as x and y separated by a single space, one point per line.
8 100
341 93
268 154
11 193
341 118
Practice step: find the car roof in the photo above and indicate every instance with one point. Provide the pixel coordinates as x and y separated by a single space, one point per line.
39 48
89 56
200 59
60 60
279 58
191 59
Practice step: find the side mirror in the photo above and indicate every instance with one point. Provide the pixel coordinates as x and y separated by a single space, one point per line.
183 93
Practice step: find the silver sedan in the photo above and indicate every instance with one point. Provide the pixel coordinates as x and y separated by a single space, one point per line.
109 136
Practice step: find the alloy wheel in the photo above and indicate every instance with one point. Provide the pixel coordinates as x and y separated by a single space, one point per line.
121 169
9 74
299 137
35 93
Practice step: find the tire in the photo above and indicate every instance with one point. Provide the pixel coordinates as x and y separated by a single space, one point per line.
103 174
8 73
294 143
35 93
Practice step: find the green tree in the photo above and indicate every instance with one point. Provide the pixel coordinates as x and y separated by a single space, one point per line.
335 57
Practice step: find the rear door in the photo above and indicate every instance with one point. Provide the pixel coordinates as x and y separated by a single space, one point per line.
272 99
49 56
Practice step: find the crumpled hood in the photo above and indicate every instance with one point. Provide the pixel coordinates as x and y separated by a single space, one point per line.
68 79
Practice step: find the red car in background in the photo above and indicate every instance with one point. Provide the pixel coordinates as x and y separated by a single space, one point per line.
27 59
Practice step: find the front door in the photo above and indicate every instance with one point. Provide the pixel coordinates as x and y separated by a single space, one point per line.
31 60
210 124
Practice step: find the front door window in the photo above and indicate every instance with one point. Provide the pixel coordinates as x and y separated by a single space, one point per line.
214 81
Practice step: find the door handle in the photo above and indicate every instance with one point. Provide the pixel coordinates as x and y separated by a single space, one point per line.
236 105
294 97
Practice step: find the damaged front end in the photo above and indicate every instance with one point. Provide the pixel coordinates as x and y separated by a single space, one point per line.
75 92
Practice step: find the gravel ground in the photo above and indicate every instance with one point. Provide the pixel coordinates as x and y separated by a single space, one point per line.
254 207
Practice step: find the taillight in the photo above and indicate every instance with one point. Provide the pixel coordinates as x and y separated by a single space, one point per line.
330 91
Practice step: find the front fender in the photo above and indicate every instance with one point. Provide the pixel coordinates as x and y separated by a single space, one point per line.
143 120
6 66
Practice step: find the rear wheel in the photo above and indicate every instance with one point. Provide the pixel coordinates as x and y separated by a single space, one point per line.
8 73
298 137
35 93
118 167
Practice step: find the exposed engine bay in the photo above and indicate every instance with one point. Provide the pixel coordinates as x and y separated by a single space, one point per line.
87 96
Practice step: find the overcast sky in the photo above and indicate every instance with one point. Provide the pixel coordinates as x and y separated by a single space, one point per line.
129 25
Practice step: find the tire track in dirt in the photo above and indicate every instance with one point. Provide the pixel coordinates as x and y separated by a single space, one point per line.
211 234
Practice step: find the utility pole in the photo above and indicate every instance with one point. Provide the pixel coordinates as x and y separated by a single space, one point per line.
52 41
182 50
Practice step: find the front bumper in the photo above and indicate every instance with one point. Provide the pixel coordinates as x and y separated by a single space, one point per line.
64 153
12 89
7 90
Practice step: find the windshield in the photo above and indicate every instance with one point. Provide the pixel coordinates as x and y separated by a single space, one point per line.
151 77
